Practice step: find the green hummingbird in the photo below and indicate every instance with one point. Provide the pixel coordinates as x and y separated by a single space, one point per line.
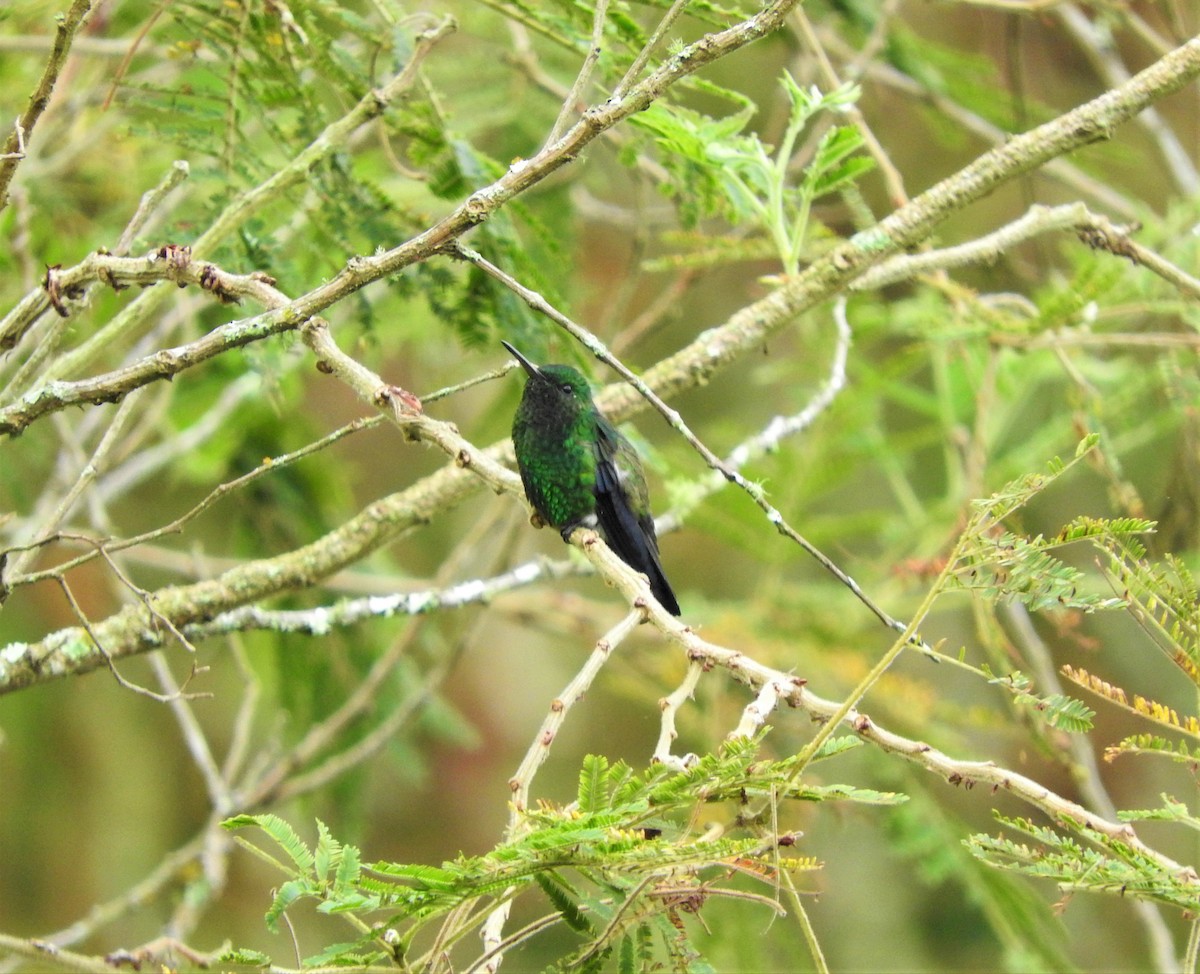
579 471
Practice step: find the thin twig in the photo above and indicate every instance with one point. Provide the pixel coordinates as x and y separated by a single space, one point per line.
535 756
150 204
1059 169
897 194
669 705
1097 44
574 102
1095 230
49 956
14 147
101 546
665 23
571 694
193 735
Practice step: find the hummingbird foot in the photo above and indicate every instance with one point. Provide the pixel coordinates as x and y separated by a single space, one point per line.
584 522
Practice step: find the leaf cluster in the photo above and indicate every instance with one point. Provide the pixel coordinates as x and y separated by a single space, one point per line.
1099 863
717 168
619 865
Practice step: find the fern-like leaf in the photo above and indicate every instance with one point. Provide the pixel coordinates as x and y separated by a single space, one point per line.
1170 811
1151 710
1153 745
565 899
1112 866
283 835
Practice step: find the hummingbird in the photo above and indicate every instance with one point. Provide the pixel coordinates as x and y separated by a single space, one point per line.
579 471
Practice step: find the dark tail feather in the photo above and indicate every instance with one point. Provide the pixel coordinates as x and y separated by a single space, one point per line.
631 537
662 588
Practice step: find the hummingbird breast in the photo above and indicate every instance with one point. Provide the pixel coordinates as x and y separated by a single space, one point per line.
555 456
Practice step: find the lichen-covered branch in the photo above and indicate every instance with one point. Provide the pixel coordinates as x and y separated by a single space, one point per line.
14 146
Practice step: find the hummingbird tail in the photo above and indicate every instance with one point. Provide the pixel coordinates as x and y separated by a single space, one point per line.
631 536
662 588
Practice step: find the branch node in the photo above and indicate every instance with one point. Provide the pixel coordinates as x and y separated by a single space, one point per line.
476 209
210 280
56 292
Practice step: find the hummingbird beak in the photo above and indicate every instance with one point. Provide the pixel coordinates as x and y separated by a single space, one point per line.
528 366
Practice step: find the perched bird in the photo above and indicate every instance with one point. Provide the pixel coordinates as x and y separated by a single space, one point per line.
578 471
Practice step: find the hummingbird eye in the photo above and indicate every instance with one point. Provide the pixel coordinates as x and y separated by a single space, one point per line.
566 387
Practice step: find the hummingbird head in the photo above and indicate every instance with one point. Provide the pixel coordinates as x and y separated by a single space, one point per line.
558 388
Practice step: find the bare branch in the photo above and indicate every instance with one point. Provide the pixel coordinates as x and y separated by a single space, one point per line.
14 147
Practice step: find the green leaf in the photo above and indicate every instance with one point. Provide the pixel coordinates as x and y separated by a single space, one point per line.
564 898
351 954
843 175
592 796
1171 811
349 868
1109 866
285 896
626 956
281 832
1065 713
865 796
243 956
327 853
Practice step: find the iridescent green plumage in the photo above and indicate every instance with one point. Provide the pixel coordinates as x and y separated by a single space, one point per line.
579 470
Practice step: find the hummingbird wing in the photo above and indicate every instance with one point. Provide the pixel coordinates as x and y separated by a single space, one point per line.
623 511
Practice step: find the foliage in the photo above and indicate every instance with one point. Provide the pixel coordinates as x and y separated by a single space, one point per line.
1106 865
620 865
716 169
